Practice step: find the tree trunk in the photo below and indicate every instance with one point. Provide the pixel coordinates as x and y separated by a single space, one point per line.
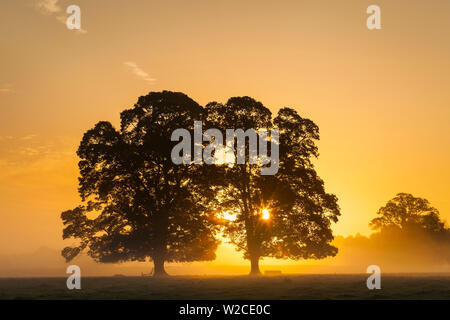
158 270
254 262
160 245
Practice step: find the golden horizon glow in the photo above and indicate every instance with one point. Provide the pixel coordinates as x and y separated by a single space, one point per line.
356 85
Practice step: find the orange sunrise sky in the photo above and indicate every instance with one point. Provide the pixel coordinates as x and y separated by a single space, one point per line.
381 98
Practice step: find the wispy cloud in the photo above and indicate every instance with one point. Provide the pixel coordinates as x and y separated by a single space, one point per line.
49 6
29 136
133 67
5 88
19 151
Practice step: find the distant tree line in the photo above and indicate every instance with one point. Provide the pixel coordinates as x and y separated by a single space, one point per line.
409 236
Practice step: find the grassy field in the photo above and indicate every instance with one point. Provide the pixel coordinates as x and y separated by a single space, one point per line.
288 287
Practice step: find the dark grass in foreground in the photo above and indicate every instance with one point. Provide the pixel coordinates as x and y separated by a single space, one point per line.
289 287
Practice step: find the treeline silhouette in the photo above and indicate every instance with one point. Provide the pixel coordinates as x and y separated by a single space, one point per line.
409 236
138 205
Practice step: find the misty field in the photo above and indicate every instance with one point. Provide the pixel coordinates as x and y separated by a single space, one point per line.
288 287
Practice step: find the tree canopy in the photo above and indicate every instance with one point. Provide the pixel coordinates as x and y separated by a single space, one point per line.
410 230
137 203
300 211
406 210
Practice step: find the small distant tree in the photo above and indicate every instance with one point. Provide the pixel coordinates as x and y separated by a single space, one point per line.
404 211
286 215
410 231
137 203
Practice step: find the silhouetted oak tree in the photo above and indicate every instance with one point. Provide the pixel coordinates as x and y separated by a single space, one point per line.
405 210
136 202
410 225
300 210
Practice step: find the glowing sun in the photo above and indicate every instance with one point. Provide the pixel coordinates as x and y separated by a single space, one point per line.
228 216
265 214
